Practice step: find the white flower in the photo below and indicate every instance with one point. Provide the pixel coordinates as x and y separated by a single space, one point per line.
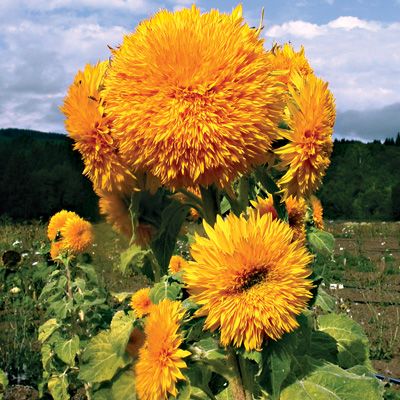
16 242
15 290
35 263
24 254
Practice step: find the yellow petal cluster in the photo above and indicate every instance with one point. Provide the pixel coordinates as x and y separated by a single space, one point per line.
141 302
318 212
192 97
176 264
161 358
310 115
250 279
91 129
76 234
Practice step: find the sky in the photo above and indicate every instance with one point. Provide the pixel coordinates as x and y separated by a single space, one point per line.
352 44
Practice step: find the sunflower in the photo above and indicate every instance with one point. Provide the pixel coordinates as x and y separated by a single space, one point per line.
77 235
318 212
310 115
250 279
193 98
57 221
296 209
91 129
160 359
56 249
290 62
176 264
141 302
115 207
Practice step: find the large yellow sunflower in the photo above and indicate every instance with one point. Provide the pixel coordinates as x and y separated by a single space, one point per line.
89 126
77 235
310 114
160 359
192 97
250 279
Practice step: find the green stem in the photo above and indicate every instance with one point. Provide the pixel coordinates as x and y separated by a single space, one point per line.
235 382
68 276
243 197
210 203
247 379
196 200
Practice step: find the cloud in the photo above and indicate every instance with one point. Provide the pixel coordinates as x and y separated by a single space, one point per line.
360 59
370 124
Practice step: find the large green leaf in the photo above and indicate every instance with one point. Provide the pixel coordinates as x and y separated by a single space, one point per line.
47 329
321 242
324 300
165 290
136 259
326 381
102 360
3 383
323 347
163 245
121 328
102 394
66 350
58 387
123 387
352 343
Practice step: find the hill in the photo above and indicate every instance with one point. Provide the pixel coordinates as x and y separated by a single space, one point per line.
41 174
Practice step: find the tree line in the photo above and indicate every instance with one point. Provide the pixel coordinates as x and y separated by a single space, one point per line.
41 174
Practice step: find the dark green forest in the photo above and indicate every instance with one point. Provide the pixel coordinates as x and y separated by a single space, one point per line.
41 174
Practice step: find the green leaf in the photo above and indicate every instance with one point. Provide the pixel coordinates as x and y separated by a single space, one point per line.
323 347
352 343
89 271
209 349
321 242
3 383
326 381
66 350
46 355
58 387
47 329
102 394
124 386
163 245
134 257
60 308
164 290
121 296
225 205
324 300
102 361
121 328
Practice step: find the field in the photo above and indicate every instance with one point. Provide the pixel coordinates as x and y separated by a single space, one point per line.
366 262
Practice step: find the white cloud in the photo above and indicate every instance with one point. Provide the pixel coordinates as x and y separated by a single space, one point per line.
360 59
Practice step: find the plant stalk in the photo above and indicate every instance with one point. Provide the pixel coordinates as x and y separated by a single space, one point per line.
235 382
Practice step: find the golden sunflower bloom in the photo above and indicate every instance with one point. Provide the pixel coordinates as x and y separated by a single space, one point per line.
57 221
318 212
290 62
90 128
310 114
192 97
115 207
141 302
250 278
176 264
77 235
265 206
160 359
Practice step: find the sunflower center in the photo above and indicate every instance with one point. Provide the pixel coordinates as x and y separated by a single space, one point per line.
252 279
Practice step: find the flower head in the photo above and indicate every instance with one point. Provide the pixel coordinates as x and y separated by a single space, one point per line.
77 235
176 264
141 302
290 62
56 249
89 126
161 359
265 206
57 221
250 279
318 212
310 115
193 98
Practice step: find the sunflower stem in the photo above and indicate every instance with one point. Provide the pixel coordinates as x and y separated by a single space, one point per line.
197 200
243 197
235 381
68 276
210 203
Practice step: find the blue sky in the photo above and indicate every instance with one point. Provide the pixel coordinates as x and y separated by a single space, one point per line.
353 44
